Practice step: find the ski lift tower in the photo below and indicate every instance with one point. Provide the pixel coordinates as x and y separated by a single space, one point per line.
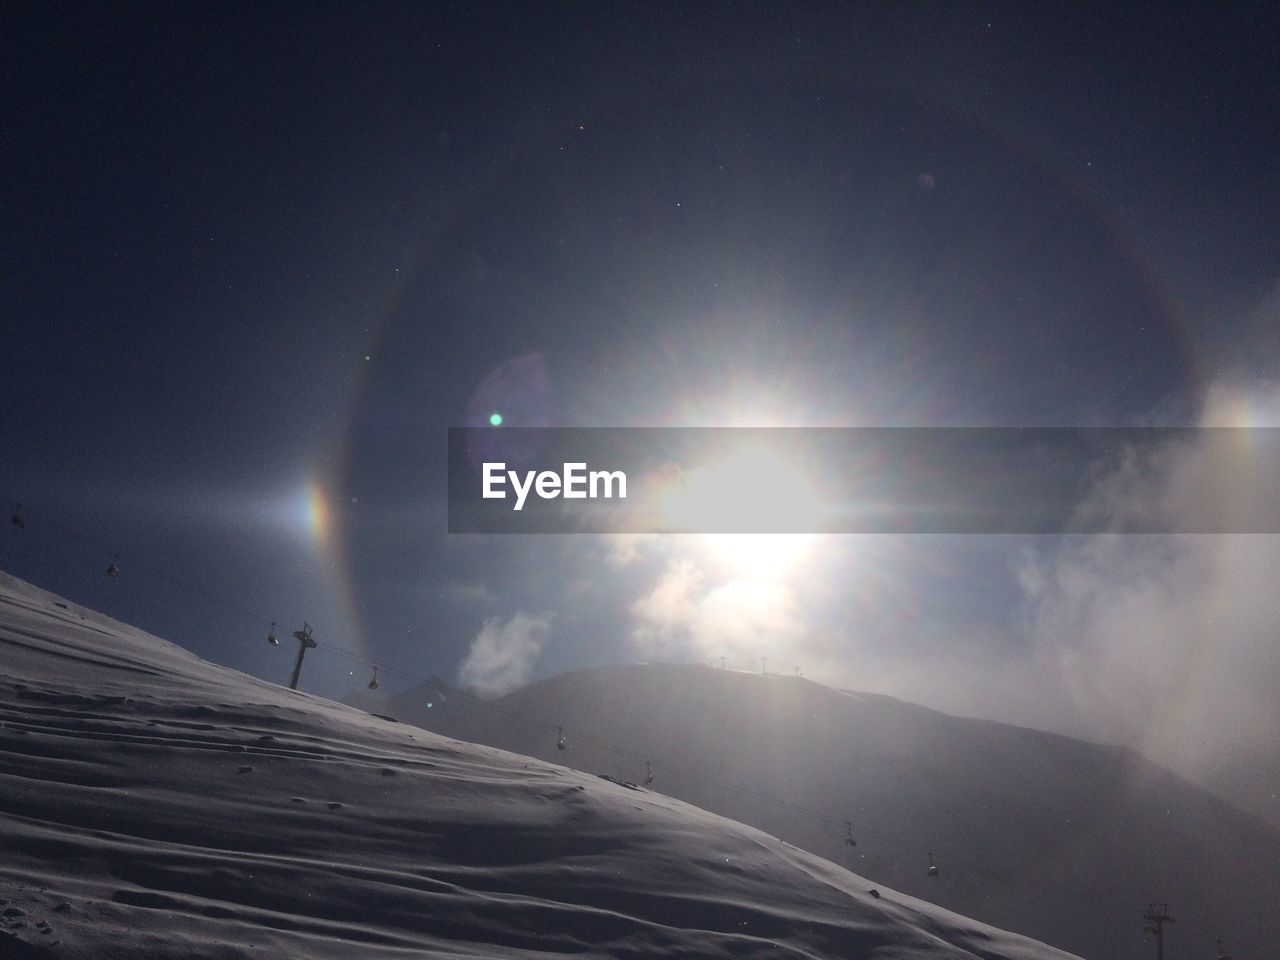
305 642
1157 916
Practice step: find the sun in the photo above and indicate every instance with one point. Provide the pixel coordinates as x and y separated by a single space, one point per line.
759 556
761 508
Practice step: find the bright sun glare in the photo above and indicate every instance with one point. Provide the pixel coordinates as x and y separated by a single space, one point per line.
751 488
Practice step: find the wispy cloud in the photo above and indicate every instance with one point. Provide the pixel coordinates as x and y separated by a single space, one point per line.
503 653
1166 643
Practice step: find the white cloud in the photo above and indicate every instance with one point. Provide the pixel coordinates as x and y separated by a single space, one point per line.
664 614
502 655
740 618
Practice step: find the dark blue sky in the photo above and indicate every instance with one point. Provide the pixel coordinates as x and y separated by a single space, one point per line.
258 257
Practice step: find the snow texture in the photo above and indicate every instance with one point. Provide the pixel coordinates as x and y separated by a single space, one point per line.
153 805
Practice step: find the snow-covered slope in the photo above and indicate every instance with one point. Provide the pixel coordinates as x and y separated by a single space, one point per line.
153 805
1056 838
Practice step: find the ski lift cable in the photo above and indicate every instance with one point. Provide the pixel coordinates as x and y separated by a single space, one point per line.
687 772
341 651
690 772
1115 901
133 560
336 649
967 866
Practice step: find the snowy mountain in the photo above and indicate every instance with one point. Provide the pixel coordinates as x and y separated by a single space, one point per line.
153 805
1056 838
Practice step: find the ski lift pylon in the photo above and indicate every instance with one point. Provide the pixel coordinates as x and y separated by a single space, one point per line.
373 681
933 867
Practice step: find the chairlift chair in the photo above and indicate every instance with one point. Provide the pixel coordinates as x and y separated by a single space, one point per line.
271 635
373 682
933 867
648 773
17 519
848 837
113 570
560 742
